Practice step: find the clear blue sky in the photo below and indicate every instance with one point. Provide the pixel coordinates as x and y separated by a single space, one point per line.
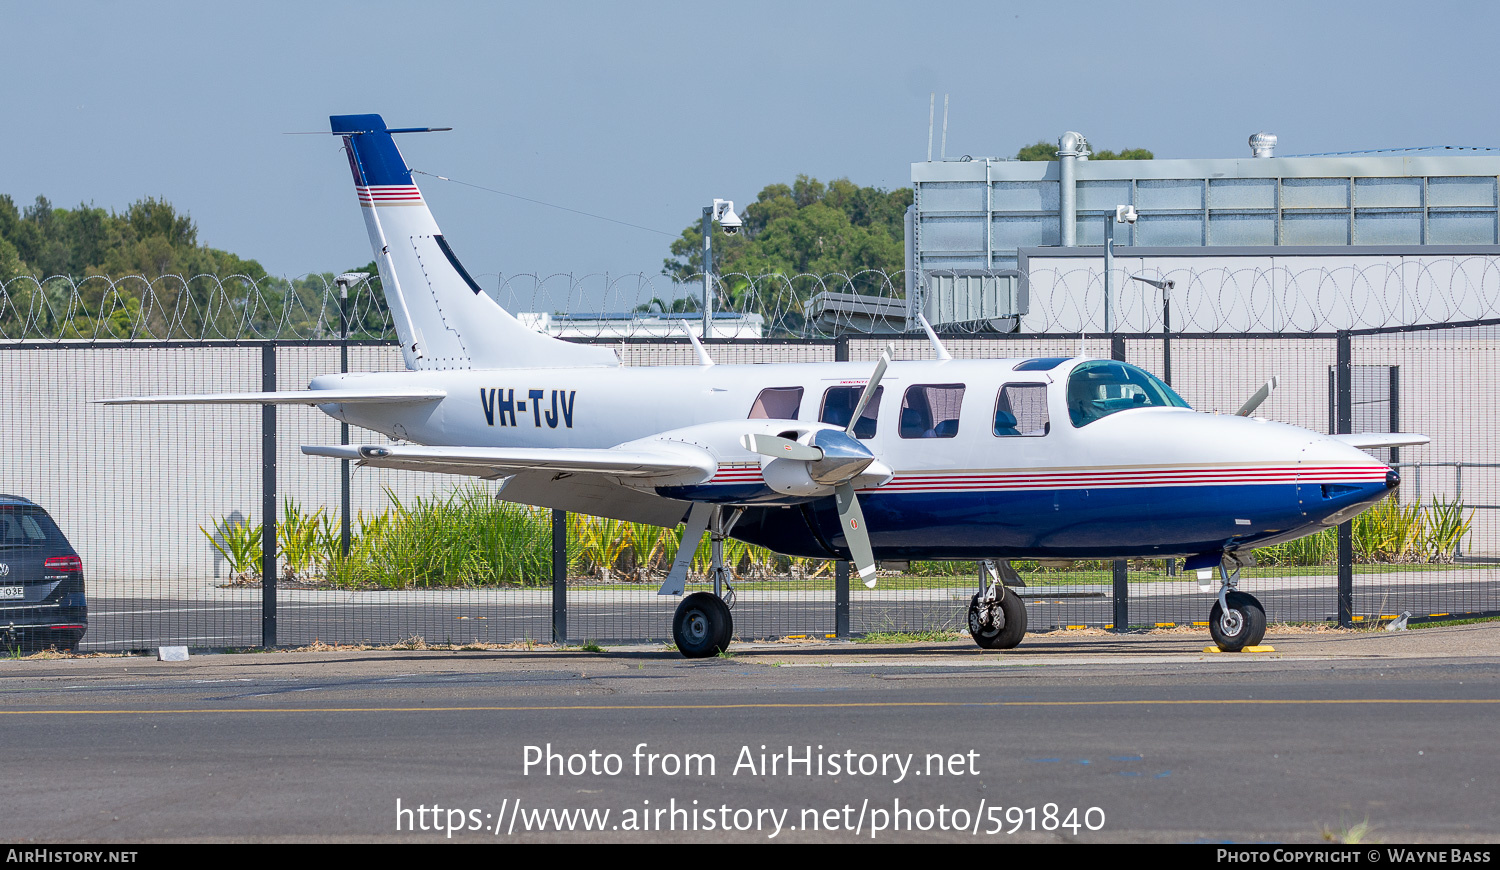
646 111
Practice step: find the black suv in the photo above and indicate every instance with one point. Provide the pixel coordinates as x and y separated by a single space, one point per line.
41 581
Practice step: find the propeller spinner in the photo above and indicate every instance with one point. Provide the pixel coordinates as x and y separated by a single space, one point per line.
835 459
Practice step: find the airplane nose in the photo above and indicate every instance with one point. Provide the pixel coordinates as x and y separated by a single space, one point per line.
1392 479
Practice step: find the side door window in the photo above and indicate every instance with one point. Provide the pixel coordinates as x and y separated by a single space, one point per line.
777 403
931 410
838 407
1021 410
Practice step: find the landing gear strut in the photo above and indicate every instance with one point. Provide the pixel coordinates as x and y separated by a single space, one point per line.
997 616
1237 619
702 626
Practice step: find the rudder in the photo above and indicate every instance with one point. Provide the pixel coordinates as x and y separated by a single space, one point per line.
443 318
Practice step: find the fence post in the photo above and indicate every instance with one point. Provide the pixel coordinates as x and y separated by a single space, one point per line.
559 576
841 349
344 528
268 499
1120 570
841 598
1344 415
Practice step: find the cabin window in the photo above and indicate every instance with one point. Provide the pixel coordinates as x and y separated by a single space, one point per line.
1099 388
931 410
838 406
777 403
1021 410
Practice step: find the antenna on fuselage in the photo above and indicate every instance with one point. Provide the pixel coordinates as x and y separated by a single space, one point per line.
937 344
703 357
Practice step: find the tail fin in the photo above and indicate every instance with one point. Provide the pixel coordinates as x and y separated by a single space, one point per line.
443 319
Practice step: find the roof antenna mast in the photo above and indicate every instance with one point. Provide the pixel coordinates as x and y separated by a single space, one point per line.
931 108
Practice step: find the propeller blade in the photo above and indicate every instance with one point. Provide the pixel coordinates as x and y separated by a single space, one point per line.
852 518
1260 396
780 448
864 397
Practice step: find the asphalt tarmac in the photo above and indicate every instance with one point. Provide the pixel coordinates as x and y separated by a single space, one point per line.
1089 737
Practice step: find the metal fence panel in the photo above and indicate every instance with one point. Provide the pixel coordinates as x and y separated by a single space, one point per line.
130 486
1444 389
139 490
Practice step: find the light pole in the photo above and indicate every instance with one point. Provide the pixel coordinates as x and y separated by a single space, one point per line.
1165 286
1124 214
722 211
344 281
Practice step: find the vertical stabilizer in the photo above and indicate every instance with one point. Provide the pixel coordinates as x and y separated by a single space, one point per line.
442 317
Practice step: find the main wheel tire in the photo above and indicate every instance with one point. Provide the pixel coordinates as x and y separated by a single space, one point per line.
1244 625
1007 636
702 626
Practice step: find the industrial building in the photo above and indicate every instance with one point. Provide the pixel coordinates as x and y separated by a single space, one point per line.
989 240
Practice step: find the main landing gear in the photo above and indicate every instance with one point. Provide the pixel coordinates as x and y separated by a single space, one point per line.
703 626
997 616
1237 619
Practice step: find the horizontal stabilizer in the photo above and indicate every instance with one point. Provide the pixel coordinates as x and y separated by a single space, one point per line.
683 460
289 397
1371 440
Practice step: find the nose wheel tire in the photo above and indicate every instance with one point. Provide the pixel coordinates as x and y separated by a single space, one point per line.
1011 630
702 626
1244 624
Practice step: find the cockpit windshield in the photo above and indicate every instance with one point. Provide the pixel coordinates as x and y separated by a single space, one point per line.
1099 388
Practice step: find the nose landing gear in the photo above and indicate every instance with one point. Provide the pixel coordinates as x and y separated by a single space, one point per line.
997 617
1237 619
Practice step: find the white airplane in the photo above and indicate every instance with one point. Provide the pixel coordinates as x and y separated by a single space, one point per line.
989 460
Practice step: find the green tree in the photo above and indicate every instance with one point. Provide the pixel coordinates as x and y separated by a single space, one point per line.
807 227
87 272
1048 151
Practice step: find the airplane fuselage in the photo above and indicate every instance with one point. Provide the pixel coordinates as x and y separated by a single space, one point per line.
1138 482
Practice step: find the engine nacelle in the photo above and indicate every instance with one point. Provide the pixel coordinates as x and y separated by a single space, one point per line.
791 477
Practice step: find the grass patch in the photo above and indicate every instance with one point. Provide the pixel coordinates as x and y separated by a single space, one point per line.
1354 834
930 636
1474 621
590 646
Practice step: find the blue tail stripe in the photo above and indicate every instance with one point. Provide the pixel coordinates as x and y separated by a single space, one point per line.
373 146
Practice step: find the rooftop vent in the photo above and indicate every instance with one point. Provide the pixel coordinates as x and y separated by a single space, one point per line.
1263 145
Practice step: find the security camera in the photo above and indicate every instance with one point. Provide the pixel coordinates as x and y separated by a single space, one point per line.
1166 284
1125 214
348 279
724 214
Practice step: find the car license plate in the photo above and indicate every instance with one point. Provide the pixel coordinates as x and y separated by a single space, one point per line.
12 593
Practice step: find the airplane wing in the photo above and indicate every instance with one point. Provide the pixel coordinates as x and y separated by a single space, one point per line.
286 397
582 480
1370 440
594 495
680 461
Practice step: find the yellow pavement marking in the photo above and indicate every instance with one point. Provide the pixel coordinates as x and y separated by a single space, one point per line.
1250 649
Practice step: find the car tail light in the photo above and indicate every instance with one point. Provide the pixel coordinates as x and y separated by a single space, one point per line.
62 563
